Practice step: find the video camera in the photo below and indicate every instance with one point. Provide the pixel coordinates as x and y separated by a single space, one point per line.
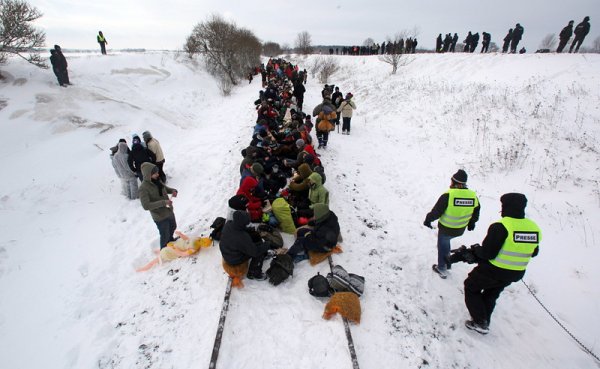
464 254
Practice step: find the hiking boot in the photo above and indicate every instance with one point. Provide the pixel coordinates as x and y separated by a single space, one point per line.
482 328
260 276
442 273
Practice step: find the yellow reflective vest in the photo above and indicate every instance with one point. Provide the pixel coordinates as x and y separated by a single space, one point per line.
461 204
523 237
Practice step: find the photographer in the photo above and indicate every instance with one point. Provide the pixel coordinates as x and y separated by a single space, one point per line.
503 257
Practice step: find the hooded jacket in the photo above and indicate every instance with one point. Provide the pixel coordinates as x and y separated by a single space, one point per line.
283 213
154 146
346 108
155 194
317 194
326 230
120 163
513 206
302 185
236 244
139 155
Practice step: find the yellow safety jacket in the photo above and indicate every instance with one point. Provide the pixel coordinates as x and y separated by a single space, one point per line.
461 204
523 237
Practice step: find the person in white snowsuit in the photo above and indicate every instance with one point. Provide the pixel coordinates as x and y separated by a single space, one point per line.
126 175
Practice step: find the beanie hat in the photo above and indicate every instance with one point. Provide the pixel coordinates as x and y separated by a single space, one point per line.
309 159
257 169
262 133
299 142
238 202
146 135
513 205
460 176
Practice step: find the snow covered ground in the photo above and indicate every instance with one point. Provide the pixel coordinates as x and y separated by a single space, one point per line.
69 241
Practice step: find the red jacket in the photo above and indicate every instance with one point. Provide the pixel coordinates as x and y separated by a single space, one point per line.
247 188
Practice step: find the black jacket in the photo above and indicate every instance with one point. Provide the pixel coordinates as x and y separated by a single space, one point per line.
139 155
582 29
490 247
236 244
440 207
324 235
566 32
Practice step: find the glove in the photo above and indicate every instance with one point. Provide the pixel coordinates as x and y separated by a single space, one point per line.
471 227
427 224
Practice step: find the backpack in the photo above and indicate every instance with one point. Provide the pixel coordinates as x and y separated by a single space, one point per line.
318 286
282 266
342 281
217 227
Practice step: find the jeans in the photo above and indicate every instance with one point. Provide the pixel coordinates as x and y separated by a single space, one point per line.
443 246
166 228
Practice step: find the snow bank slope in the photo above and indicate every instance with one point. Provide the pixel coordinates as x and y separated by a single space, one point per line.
70 241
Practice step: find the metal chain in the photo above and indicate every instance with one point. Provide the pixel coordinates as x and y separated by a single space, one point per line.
560 324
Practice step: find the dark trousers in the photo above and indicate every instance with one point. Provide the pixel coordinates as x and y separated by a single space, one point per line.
505 46
346 124
561 45
59 76
323 137
481 292
300 244
513 45
161 173
103 48
256 264
166 228
577 41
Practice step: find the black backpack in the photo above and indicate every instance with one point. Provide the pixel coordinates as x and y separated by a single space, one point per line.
217 228
319 287
282 266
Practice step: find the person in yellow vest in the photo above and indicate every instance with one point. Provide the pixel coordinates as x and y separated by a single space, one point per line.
457 209
503 257
102 41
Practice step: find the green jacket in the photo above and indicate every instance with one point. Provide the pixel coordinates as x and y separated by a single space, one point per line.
317 194
283 213
151 197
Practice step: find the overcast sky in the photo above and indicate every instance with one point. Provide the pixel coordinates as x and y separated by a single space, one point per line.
165 24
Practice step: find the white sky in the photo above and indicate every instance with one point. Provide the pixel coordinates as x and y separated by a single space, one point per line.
155 24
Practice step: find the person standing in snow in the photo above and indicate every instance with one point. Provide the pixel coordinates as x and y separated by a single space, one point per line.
457 209
346 108
126 175
102 41
62 65
154 196
56 67
506 40
139 155
454 41
485 44
503 257
564 36
153 145
326 119
517 34
581 31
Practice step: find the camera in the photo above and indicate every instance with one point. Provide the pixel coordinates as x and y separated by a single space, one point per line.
463 254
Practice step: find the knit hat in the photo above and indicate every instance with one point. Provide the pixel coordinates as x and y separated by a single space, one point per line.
460 177
513 204
238 202
299 142
257 169
146 135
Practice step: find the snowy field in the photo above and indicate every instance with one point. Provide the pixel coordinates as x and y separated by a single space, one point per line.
69 241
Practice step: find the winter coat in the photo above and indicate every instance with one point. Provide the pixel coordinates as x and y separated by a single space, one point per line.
319 108
55 61
154 146
283 213
155 194
139 155
317 194
326 230
120 163
302 184
518 33
566 32
248 188
492 244
236 244
582 29
346 108
440 207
